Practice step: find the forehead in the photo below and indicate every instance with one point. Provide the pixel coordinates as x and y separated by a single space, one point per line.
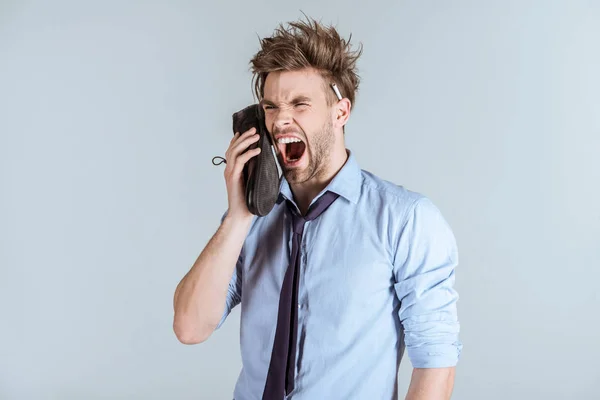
286 85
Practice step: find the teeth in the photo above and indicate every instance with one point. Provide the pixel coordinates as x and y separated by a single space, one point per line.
288 140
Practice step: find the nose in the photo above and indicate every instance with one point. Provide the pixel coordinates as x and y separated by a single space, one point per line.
282 119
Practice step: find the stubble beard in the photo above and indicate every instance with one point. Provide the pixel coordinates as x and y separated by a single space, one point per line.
319 156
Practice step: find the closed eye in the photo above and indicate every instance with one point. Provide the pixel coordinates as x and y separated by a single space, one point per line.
273 107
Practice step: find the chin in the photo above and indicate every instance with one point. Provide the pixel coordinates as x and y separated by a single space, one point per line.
296 175
299 175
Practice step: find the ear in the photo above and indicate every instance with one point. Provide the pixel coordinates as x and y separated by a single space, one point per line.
341 112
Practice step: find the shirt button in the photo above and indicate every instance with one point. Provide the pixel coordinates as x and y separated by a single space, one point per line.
299 306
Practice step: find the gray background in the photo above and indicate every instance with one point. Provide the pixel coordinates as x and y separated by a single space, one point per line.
110 113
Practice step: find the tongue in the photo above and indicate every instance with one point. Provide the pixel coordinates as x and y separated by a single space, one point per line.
295 150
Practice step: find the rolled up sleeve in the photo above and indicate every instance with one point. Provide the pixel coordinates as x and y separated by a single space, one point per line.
424 269
234 289
234 292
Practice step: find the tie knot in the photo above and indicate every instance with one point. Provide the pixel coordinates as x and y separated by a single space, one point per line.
316 209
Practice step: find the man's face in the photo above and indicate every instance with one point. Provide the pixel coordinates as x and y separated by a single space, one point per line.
299 120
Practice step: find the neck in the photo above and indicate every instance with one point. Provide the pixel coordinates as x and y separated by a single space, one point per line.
305 192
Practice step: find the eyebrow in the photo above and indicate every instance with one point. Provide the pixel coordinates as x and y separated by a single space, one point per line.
297 99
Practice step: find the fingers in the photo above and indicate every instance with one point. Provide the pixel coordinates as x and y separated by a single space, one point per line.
237 135
243 159
239 143
243 145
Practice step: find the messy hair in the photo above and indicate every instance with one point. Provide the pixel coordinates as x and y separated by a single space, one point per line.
308 45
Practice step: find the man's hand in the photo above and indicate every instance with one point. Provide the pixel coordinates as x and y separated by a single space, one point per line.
237 157
431 384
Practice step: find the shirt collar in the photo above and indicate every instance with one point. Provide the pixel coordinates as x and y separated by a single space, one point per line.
346 182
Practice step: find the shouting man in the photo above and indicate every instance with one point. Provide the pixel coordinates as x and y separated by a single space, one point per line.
346 271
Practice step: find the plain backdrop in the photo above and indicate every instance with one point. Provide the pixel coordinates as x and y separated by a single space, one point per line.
110 114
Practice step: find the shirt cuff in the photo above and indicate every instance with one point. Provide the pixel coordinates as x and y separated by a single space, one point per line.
441 351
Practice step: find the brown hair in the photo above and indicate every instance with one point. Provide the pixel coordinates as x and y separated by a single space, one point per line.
308 45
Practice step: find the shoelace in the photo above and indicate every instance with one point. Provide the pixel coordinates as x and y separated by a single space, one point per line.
223 161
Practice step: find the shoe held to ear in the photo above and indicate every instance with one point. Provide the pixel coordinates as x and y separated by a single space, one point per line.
261 174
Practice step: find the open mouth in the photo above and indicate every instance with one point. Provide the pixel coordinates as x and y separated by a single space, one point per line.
291 149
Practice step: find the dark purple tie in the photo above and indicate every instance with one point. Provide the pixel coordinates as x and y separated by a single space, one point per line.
280 378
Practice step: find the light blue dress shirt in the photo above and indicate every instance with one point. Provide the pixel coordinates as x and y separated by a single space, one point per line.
377 270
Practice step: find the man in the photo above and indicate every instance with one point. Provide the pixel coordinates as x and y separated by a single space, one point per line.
328 304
